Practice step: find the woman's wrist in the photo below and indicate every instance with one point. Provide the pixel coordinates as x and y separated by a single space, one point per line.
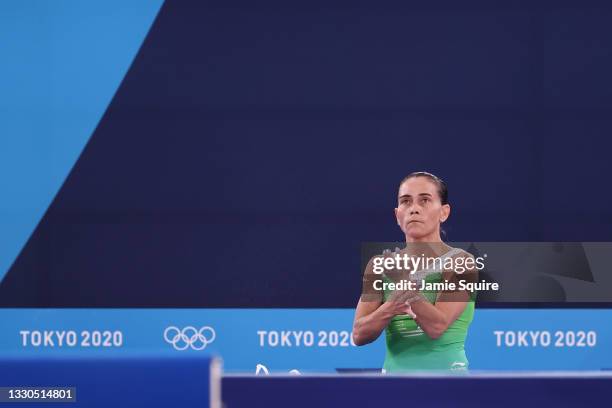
418 296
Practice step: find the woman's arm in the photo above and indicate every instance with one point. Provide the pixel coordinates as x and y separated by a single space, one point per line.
371 318
436 318
372 314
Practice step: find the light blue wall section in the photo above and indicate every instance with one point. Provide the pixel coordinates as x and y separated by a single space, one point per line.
309 340
62 62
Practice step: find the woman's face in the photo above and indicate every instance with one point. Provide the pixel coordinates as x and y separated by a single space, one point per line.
419 211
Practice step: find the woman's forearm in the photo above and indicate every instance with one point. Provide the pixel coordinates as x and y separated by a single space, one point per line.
430 319
367 328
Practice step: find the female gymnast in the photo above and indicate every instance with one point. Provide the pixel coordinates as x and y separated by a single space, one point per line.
425 330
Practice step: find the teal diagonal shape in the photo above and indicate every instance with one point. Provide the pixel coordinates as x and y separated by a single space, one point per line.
61 62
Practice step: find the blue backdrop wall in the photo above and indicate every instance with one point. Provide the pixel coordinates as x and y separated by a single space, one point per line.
251 148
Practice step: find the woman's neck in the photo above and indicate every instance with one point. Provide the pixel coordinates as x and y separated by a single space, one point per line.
434 237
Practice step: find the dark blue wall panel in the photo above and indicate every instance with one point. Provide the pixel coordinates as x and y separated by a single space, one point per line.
251 148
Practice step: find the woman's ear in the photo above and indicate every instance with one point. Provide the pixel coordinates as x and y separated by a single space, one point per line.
444 213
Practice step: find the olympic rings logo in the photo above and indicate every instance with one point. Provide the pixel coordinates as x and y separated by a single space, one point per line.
189 337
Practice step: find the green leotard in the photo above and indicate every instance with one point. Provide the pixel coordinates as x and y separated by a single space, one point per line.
409 348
